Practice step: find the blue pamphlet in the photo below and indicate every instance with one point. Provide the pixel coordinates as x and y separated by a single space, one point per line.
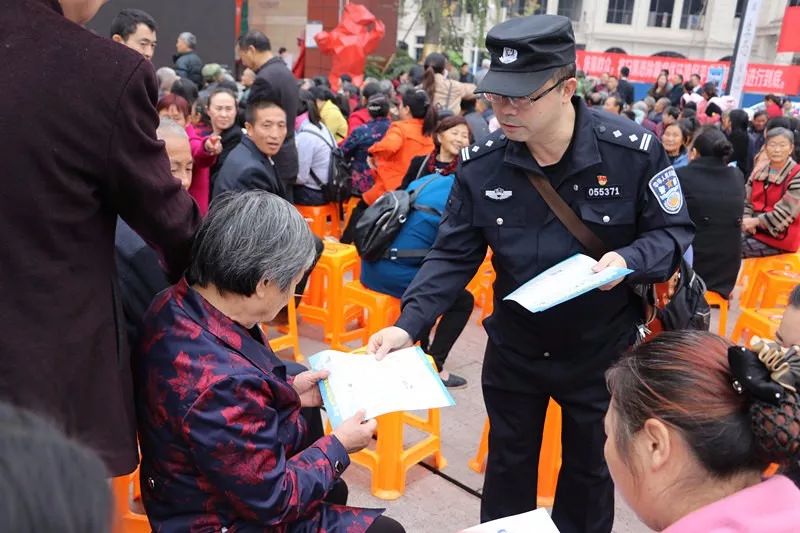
566 280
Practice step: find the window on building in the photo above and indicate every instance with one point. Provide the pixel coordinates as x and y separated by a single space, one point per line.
692 14
620 12
660 14
794 3
417 52
572 9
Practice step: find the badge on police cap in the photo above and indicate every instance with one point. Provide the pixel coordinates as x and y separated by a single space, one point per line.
498 193
509 56
667 190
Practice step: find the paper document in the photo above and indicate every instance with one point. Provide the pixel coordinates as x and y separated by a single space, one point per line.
404 380
537 521
564 281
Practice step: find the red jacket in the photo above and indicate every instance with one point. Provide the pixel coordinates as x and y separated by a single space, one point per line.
358 118
200 188
392 154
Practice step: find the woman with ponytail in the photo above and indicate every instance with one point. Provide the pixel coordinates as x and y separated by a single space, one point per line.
693 424
446 94
405 139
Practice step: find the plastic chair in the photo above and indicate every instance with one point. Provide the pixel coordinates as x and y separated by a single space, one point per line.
290 337
323 303
549 456
753 265
323 219
382 310
125 489
390 459
481 287
762 322
715 299
771 288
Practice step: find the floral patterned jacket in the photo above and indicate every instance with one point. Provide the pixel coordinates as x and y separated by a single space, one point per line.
221 433
355 150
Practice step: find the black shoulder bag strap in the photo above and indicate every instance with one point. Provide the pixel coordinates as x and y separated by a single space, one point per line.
567 216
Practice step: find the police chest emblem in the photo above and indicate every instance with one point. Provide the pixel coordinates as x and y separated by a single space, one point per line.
667 190
498 193
509 56
602 180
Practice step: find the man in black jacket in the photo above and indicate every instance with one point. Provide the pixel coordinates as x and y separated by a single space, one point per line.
676 93
249 165
624 87
187 63
255 52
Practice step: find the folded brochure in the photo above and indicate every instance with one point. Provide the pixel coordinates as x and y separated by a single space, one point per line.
404 380
537 521
566 280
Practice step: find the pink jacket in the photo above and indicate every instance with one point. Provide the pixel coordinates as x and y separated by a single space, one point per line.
201 171
771 506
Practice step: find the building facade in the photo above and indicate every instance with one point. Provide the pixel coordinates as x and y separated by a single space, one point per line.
694 29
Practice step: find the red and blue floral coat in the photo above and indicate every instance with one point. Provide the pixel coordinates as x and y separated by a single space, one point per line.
221 433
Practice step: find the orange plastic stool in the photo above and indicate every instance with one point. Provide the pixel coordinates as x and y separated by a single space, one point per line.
771 288
323 303
323 219
714 299
549 456
290 337
481 287
753 265
126 488
382 310
762 322
390 460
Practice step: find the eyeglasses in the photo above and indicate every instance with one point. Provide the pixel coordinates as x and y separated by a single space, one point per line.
521 101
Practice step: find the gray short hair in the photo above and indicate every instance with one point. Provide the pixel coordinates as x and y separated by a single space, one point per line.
189 39
779 132
169 128
166 74
248 238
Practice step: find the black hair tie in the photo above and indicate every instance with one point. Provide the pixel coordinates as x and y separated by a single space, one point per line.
766 371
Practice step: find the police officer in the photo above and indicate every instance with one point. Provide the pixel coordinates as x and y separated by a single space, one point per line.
617 178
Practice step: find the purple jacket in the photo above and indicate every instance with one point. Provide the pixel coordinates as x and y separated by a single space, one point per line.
221 433
773 506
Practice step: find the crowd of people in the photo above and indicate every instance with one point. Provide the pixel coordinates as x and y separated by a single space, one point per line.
141 267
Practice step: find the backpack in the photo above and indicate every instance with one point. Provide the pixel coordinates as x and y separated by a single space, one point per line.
381 222
339 187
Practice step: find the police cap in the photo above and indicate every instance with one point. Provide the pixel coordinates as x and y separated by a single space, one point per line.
526 52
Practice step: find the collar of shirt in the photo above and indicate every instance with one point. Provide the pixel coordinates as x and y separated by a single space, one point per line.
581 154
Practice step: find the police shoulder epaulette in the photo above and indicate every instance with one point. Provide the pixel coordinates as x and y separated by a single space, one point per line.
493 142
621 133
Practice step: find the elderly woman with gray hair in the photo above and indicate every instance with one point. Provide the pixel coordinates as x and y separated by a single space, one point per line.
770 224
224 445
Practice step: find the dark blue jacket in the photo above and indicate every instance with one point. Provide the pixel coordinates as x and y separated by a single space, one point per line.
246 169
393 276
617 179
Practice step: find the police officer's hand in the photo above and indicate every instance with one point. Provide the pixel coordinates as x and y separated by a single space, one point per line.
387 340
611 259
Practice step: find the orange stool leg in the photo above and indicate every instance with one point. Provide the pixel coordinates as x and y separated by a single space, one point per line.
549 456
478 463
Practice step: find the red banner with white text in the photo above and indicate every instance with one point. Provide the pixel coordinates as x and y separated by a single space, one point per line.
789 40
761 79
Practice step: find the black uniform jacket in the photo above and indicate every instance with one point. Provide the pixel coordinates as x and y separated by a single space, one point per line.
615 176
245 169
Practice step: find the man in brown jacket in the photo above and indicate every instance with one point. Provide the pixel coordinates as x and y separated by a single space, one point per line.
78 149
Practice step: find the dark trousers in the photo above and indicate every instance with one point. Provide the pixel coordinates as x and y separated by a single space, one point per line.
349 233
584 501
308 196
383 524
450 327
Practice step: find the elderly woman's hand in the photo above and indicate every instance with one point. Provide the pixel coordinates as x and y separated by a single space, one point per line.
305 384
750 224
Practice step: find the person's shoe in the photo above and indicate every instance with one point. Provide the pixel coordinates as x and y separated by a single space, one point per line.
455 382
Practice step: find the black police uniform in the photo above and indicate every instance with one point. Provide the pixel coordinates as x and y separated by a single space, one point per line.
610 176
